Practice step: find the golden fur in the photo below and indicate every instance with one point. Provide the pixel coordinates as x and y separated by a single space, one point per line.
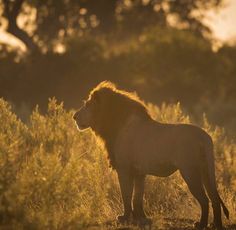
138 146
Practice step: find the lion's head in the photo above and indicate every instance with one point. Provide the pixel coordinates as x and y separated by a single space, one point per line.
89 115
106 110
108 105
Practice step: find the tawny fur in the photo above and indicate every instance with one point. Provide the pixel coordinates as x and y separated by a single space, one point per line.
138 146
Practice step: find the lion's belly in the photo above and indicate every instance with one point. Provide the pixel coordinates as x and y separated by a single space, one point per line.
162 170
155 158
155 168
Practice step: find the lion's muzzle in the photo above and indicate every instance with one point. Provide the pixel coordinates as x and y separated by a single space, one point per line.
82 119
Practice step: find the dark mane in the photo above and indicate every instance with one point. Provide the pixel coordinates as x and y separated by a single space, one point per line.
118 106
107 85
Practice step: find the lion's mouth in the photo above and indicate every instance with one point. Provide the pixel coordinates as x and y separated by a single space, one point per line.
81 126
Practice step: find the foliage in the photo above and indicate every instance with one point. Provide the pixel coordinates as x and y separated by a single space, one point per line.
46 23
162 65
54 177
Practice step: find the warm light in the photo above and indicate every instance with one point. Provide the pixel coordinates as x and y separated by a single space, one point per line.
223 22
7 38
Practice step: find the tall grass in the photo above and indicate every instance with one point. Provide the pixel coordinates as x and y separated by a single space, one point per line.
54 177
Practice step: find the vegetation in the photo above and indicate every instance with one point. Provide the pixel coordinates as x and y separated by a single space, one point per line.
162 49
162 65
47 23
54 177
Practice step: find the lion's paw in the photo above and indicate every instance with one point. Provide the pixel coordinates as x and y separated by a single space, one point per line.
213 226
143 222
198 226
124 219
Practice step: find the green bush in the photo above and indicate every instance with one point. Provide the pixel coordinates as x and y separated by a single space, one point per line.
54 177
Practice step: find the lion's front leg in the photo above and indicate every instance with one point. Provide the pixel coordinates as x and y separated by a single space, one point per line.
138 212
126 181
138 197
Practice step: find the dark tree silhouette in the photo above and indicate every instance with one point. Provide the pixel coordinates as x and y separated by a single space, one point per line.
57 19
11 12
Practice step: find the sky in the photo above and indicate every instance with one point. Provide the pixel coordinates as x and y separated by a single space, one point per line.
222 23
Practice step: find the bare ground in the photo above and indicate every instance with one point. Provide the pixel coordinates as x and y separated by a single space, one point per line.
165 224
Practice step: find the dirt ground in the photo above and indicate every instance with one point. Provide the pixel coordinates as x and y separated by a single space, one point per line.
165 224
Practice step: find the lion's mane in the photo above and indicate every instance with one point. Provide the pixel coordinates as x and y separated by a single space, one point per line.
118 107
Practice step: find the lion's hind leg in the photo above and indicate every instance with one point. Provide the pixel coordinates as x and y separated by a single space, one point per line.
192 177
215 200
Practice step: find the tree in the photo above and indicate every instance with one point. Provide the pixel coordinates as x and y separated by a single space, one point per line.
11 11
140 14
56 20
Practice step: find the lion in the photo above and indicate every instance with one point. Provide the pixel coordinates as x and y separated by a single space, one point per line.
138 146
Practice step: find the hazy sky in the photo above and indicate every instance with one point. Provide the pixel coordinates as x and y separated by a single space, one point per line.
223 24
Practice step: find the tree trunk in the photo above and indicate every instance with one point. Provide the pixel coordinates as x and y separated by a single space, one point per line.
11 12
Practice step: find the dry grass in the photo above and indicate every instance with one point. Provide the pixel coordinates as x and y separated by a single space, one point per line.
53 177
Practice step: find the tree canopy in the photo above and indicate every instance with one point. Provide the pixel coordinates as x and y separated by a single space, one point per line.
52 21
156 47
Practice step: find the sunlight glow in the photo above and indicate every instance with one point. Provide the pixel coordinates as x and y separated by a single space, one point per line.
223 22
8 39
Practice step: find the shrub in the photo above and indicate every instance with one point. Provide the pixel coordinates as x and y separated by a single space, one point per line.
54 177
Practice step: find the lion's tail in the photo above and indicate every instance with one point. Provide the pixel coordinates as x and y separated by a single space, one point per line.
209 178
